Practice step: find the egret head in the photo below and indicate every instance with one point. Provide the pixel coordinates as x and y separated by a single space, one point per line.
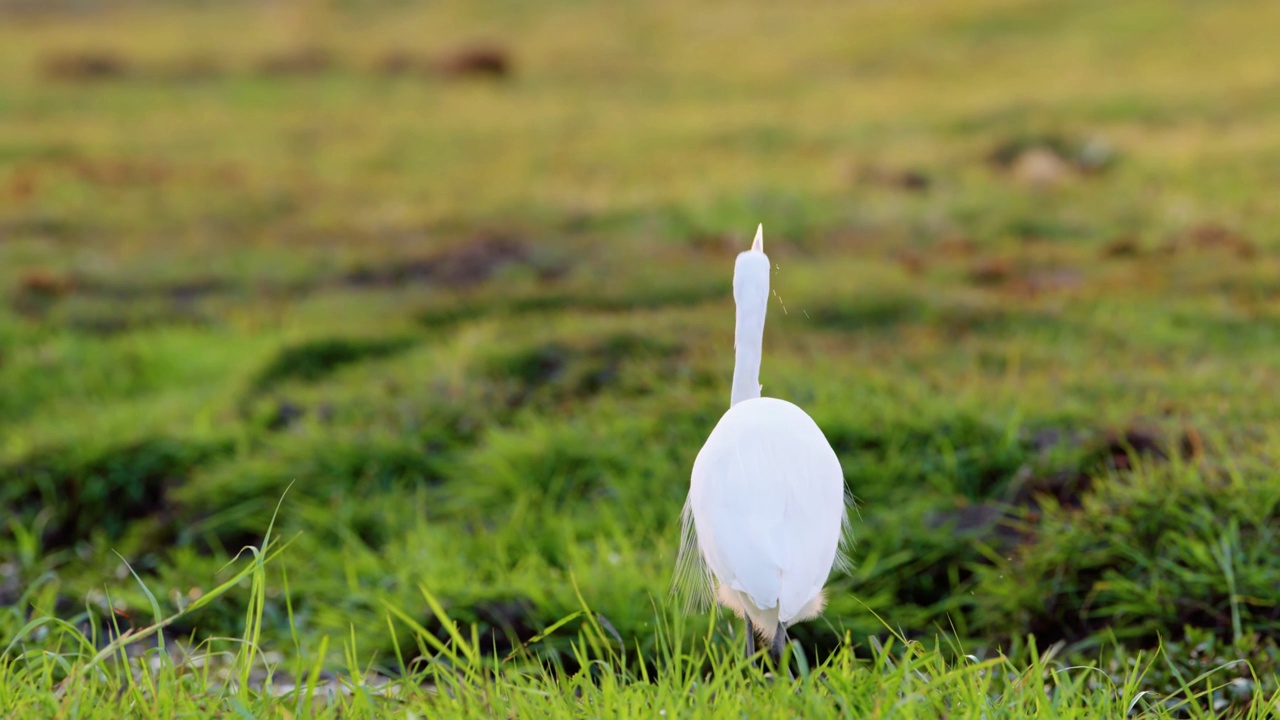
751 276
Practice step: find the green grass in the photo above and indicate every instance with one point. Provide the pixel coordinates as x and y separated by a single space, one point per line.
457 674
479 329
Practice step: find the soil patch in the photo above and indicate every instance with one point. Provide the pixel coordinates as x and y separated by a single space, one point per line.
560 371
1212 236
462 267
478 60
85 66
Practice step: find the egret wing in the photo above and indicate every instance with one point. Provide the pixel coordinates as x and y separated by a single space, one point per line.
814 517
736 510
768 502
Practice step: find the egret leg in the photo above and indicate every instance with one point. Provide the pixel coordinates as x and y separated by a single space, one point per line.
779 643
751 639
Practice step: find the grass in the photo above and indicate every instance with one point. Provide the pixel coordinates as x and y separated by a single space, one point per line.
479 329
458 675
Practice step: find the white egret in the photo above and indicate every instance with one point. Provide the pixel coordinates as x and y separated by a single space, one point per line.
765 519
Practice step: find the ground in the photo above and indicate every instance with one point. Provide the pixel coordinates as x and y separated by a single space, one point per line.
443 290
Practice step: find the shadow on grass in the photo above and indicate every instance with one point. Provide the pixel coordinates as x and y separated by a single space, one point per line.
315 360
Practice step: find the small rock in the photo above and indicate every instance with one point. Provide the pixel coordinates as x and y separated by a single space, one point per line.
1040 168
1095 155
285 415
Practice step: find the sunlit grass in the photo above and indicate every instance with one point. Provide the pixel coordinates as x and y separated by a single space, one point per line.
52 666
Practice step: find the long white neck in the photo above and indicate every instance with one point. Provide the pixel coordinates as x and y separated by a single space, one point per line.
748 344
751 295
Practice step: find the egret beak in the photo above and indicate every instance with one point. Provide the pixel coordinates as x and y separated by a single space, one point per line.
758 244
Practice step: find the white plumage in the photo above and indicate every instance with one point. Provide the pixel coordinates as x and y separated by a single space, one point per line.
765 517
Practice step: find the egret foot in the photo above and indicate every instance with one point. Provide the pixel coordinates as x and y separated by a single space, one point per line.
751 639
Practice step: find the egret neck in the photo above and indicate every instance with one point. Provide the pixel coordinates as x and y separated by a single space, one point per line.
751 295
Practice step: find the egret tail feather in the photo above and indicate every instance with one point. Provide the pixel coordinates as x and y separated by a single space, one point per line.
844 551
693 585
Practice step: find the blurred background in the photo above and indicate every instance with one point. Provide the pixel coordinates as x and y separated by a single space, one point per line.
457 276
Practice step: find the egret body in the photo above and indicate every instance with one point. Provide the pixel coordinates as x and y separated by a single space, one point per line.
765 517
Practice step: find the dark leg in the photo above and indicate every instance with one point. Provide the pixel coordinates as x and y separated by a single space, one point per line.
751 638
779 643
